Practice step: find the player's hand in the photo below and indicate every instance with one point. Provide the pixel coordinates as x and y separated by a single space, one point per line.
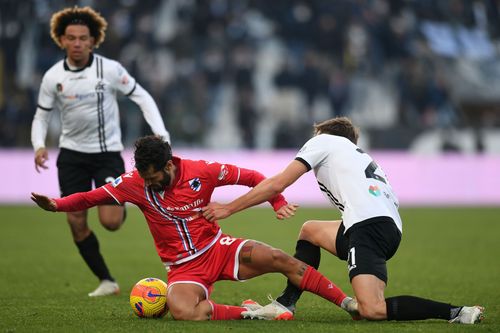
286 211
41 156
44 202
215 211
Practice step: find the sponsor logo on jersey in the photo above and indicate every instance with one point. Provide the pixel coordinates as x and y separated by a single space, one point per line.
117 181
374 190
223 172
195 184
80 77
193 206
59 87
79 96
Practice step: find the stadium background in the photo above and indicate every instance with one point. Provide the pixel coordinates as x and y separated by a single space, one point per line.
421 79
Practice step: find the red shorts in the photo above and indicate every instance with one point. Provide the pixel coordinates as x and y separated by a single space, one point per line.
220 262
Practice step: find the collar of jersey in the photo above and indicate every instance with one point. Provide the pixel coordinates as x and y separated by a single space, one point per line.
89 63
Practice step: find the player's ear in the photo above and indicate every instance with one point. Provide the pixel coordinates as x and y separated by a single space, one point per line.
169 165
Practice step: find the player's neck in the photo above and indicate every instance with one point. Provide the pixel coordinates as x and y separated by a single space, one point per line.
77 64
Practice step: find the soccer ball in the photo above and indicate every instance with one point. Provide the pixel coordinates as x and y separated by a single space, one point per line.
148 298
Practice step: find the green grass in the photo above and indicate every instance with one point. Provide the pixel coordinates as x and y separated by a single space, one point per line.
448 254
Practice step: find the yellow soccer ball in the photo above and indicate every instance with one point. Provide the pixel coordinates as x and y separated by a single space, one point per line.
148 298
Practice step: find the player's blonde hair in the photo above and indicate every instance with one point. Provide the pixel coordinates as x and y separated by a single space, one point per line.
78 15
340 126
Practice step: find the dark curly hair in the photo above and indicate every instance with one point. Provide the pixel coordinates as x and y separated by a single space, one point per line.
78 15
340 126
151 150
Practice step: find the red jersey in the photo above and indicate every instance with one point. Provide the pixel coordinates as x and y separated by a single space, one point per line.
179 230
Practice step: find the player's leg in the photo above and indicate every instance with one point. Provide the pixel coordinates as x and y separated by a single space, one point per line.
369 292
188 300
372 305
313 236
256 258
111 216
369 247
74 177
105 168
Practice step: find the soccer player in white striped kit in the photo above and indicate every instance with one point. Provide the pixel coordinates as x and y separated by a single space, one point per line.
368 235
83 87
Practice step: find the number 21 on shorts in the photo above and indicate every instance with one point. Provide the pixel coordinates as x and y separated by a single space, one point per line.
351 259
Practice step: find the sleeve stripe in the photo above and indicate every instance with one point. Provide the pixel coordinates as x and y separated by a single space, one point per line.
133 89
237 179
118 201
303 161
44 108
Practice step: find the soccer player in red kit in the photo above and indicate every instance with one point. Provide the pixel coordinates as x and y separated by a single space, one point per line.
170 192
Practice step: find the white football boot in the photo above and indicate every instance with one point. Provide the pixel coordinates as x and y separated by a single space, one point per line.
251 305
469 315
350 305
106 288
272 311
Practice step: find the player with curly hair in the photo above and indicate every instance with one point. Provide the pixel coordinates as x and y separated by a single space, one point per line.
83 87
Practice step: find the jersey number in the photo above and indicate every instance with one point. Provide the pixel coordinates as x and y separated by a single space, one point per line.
351 259
370 169
227 240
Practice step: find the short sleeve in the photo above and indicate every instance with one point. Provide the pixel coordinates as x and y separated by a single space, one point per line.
312 153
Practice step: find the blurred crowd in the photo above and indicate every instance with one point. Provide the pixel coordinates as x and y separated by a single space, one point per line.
258 73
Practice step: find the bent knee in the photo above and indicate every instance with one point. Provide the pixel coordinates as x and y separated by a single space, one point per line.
308 231
112 225
373 311
185 314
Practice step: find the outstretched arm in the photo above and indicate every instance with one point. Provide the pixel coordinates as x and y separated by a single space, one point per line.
74 202
266 189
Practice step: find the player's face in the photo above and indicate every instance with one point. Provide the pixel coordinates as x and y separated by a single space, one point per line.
158 180
78 44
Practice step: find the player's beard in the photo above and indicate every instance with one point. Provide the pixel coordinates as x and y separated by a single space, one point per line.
165 182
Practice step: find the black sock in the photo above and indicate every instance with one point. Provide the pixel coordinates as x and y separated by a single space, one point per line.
416 308
311 255
89 250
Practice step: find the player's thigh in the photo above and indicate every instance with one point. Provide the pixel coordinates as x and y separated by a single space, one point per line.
321 233
73 172
256 258
183 300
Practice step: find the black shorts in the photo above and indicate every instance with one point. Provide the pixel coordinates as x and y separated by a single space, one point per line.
368 245
77 171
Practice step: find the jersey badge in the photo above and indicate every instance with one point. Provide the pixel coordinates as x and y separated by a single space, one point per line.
59 87
99 87
195 184
125 80
117 181
374 190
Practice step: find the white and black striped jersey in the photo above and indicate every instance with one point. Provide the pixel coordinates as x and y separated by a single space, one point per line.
350 179
87 101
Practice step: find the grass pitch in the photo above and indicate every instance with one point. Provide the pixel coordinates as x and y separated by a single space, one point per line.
447 254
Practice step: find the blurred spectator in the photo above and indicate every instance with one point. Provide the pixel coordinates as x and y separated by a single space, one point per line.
198 58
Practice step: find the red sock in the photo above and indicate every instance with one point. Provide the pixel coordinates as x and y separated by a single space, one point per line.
316 283
226 312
